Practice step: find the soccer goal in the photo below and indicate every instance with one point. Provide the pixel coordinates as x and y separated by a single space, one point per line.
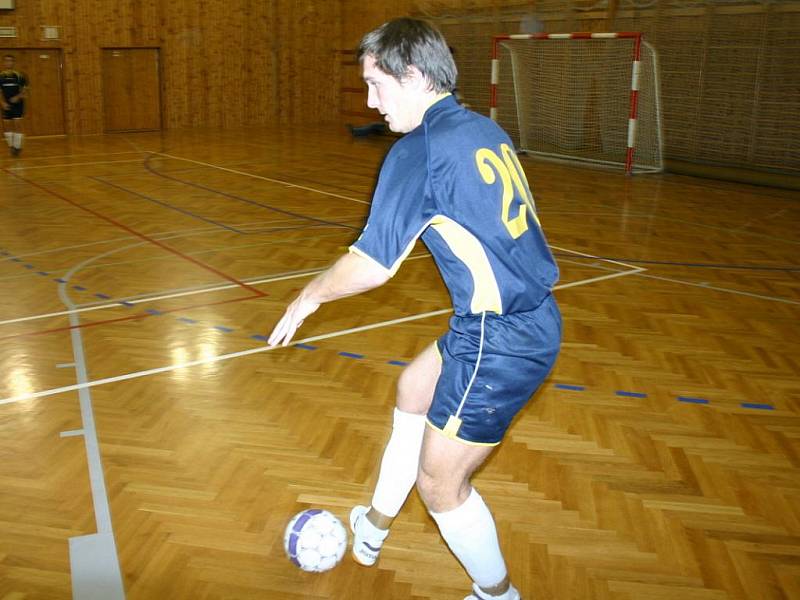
588 97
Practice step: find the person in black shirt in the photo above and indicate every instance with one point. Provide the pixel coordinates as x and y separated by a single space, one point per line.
14 86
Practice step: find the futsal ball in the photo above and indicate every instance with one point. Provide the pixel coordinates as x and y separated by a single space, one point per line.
315 540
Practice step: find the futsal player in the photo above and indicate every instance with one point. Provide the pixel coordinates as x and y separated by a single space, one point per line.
453 180
12 100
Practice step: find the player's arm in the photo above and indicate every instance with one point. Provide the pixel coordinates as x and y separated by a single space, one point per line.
350 275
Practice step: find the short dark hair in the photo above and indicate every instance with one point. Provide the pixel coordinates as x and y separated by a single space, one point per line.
405 42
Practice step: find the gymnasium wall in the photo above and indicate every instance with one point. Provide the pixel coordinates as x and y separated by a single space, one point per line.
223 63
729 69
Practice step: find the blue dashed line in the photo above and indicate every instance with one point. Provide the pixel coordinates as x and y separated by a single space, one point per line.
631 394
691 400
398 363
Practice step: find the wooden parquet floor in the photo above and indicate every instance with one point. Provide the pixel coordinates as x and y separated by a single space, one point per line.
661 460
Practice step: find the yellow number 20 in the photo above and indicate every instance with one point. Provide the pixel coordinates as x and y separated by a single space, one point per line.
512 178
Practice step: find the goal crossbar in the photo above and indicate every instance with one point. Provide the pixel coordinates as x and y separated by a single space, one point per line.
633 95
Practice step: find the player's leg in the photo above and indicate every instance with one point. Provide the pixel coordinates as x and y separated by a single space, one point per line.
464 520
400 462
19 133
504 359
8 130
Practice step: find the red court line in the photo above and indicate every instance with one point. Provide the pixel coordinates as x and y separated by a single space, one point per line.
256 292
135 317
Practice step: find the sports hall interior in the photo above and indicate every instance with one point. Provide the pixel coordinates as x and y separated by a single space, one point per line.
188 167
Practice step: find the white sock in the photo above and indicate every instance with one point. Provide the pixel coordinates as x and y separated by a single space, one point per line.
470 532
400 463
9 138
18 140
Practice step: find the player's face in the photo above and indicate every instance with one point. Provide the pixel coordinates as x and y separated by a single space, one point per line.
8 62
397 101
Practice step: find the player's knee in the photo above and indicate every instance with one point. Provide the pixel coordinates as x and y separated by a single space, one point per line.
438 493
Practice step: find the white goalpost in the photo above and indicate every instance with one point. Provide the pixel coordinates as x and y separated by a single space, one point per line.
586 97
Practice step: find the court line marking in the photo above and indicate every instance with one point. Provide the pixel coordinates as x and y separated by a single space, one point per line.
232 355
71 433
264 227
80 164
216 288
253 175
82 154
166 204
83 568
124 227
238 198
707 286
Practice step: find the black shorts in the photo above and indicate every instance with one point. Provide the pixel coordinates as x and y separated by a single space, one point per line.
15 110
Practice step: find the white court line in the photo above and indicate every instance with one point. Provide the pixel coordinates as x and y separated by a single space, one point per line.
82 154
98 162
253 175
270 280
608 260
223 357
707 286
216 288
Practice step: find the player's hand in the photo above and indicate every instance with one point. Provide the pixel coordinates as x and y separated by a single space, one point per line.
14 100
294 316
5 106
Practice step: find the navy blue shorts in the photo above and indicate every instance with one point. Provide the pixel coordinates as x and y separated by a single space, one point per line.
477 405
15 110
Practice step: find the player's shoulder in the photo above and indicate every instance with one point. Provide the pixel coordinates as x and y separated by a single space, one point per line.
457 127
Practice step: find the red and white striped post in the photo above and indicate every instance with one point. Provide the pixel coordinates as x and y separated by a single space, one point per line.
580 35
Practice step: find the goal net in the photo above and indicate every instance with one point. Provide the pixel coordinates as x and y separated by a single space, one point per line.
579 97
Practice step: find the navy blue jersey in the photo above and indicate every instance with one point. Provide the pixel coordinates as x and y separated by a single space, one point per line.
456 181
12 83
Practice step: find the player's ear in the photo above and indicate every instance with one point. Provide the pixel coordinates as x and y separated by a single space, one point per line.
414 78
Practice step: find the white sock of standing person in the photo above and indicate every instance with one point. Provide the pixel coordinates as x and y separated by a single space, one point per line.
470 532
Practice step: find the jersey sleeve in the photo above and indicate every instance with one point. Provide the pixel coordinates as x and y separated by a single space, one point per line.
402 208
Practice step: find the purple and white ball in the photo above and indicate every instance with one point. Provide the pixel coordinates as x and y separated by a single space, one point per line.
315 540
